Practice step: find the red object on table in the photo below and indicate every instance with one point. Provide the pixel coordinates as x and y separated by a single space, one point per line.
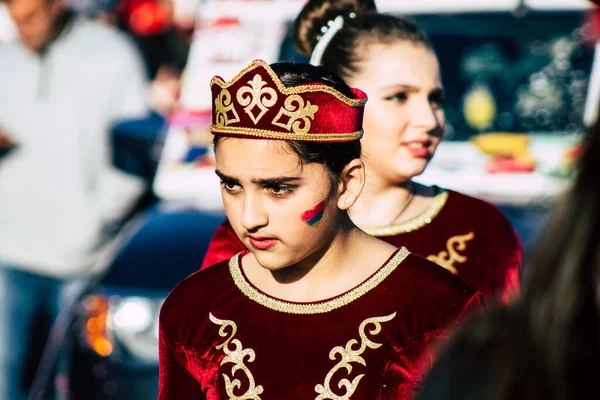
146 17
509 164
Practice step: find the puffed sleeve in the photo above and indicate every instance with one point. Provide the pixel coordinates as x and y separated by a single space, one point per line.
223 245
175 381
417 357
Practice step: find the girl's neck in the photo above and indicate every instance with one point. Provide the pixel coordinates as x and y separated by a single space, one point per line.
383 204
349 259
325 262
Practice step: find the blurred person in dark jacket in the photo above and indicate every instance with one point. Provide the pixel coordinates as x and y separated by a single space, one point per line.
546 345
63 85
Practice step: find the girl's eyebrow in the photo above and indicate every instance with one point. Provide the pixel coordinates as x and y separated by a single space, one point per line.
276 180
401 86
408 88
224 177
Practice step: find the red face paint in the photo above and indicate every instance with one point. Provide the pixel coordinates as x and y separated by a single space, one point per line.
313 217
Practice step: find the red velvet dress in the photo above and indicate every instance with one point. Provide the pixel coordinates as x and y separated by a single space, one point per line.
222 338
469 237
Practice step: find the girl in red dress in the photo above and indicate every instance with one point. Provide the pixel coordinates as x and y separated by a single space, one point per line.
317 309
393 62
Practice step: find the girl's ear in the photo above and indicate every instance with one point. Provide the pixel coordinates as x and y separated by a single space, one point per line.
351 183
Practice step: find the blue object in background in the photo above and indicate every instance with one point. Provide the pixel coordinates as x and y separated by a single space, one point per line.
195 153
134 145
529 222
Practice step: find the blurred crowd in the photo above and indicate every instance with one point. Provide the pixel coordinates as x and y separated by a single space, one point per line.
161 30
77 70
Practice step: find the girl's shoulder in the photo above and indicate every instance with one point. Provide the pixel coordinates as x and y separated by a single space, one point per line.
420 284
197 294
472 206
417 273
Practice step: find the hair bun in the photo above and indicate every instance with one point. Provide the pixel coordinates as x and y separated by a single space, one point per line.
316 14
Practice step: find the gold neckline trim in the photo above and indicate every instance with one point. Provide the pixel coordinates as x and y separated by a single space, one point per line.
425 218
318 307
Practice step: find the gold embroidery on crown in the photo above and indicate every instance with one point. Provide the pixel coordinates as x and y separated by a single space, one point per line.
455 244
312 88
349 355
236 356
223 105
284 91
299 114
255 95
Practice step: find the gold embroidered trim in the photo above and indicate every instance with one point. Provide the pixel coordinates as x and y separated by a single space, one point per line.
455 244
298 116
293 90
255 95
418 222
236 356
223 105
349 355
314 308
267 134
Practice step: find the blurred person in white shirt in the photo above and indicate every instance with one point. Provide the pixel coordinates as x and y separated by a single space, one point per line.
7 28
63 85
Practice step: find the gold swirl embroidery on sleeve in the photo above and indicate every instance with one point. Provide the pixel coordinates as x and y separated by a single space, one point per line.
255 95
223 106
237 355
349 355
446 259
299 114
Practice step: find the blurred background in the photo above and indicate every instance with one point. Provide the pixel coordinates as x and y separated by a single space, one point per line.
516 76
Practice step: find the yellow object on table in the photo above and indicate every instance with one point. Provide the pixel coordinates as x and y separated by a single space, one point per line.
502 144
479 107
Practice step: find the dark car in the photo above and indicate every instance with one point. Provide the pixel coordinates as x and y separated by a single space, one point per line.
115 335
104 343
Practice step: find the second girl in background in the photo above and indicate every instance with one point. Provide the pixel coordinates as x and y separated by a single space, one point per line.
391 60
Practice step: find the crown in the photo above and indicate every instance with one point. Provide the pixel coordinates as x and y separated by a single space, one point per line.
256 104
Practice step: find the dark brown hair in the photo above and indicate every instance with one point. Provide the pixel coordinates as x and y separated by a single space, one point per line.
562 288
366 26
543 346
334 156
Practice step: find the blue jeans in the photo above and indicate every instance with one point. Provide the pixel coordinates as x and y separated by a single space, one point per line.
29 304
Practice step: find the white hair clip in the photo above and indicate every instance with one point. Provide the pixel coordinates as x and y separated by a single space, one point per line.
329 32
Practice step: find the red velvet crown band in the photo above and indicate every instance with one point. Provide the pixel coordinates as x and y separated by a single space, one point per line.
255 104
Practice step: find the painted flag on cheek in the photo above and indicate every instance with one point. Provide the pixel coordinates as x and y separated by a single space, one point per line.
314 216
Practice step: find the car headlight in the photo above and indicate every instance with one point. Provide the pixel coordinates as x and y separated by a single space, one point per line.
135 324
124 327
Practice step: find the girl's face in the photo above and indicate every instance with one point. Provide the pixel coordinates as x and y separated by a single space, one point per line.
403 121
282 210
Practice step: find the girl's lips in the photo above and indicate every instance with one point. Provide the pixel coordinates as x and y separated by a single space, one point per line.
418 148
262 243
